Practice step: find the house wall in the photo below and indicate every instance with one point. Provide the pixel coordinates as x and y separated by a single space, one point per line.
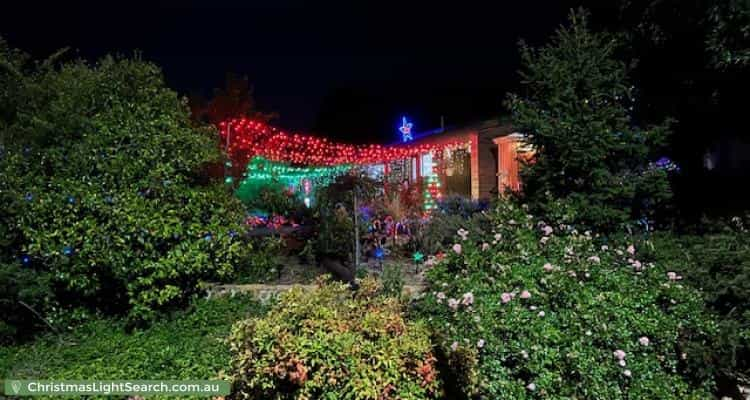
484 160
508 165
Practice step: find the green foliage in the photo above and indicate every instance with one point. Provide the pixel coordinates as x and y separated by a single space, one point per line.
21 291
392 279
575 112
186 345
263 264
728 38
438 232
540 311
101 163
274 199
335 218
332 343
719 264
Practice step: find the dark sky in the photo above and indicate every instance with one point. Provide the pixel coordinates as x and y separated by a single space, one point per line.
347 70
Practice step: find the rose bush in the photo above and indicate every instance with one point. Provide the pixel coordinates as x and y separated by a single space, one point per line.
536 310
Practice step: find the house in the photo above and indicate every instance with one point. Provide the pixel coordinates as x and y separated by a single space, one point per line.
478 161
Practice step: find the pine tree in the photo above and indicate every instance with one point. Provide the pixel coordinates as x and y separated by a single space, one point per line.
576 114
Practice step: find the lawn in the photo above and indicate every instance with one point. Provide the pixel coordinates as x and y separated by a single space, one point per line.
185 345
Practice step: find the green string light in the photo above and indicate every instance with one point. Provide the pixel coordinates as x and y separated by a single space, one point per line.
262 173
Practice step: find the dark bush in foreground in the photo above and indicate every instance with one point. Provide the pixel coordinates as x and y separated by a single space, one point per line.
719 264
542 311
333 343
101 164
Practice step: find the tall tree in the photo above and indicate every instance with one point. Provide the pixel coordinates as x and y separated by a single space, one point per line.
235 100
692 66
575 112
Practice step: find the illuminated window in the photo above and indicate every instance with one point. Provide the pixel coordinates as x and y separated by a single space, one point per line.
427 165
375 171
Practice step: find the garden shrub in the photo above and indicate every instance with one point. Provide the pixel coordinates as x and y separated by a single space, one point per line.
104 165
333 343
263 264
21 291
188 344
718 264
453 213
392 279
537 310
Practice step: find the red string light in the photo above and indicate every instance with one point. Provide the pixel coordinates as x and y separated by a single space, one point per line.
249 138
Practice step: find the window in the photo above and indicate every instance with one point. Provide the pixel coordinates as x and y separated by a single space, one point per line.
375 171
426 169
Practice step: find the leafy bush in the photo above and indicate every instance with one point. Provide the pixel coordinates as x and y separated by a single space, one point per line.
276 199
392 279
187 345
576 114
24 293
263 264
102 162
533 310
459 205
453 213
333 343
719 264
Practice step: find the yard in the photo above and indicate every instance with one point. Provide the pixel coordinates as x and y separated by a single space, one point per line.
540 254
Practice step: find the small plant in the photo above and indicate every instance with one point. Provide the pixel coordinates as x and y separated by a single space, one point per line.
262 263
392 279
333 343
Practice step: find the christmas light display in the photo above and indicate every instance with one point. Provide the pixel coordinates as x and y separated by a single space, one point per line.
432 192
301 162
261 173
249 138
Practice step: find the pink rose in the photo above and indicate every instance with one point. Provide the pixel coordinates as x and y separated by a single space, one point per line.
595 259
453 304
631 249
506 297
531 387
457 248
485 246
619 354
643 340
547 230
548 267
525 294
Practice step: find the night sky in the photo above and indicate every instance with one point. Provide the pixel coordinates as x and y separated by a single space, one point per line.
345 70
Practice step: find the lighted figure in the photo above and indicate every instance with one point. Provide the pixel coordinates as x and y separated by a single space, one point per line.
405 129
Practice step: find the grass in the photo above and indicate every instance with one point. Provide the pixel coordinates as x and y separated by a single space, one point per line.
186 345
